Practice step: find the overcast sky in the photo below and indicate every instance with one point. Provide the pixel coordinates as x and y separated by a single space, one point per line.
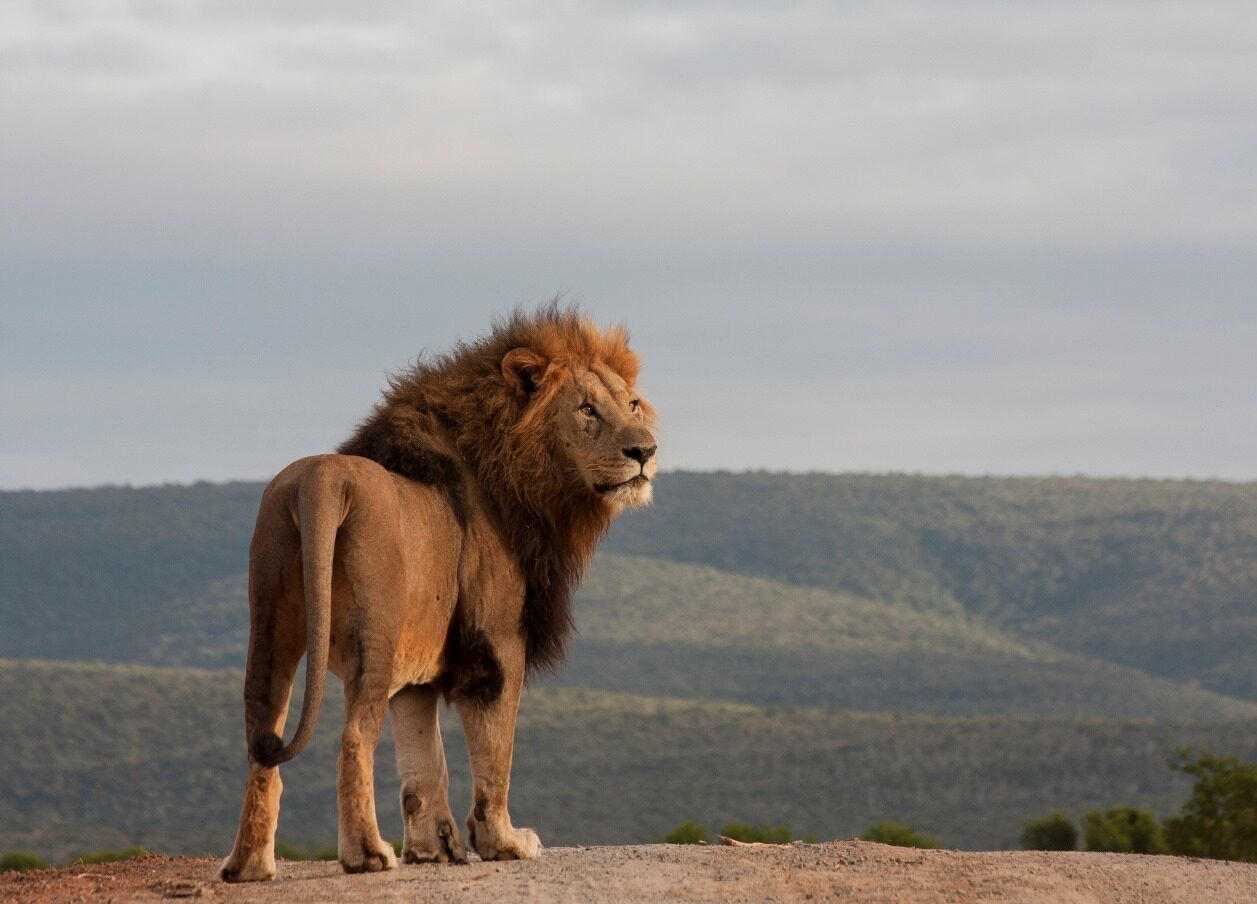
980 237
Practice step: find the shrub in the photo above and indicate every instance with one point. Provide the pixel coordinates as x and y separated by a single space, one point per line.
20 861
688 832
110 856
765 834
1124 830
1054 832
887 832
1219 819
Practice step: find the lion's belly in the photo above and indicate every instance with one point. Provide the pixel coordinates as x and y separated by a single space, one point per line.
433 541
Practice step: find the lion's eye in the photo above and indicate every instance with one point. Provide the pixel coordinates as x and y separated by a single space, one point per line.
587 410
635 404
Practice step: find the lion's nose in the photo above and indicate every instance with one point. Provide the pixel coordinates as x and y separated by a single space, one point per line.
640 454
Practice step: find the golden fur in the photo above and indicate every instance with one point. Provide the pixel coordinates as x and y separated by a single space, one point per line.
437 553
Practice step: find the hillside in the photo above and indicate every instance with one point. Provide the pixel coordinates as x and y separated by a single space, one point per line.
83 569
823 651
659 628
106 756
1156 575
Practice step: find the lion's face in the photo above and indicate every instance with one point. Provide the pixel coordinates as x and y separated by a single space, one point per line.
601 427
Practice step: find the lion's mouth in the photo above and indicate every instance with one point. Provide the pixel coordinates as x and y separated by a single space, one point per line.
637 480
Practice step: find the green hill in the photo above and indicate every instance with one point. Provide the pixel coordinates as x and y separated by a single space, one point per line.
659 628
1160 575
101 755
1156 575
83 572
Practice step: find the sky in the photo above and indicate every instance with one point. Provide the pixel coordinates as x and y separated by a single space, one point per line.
943 237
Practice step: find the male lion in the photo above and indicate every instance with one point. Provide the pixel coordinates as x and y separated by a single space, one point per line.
437 555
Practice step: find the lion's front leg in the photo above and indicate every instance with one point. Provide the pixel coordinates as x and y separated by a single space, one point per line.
431 835
490 729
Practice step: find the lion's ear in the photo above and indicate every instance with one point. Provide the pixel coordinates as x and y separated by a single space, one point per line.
522 369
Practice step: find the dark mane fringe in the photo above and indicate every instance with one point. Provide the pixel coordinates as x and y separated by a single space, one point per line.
455 414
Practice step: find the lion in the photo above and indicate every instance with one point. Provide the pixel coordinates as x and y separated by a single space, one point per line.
435 555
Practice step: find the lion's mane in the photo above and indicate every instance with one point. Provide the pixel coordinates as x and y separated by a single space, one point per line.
452 418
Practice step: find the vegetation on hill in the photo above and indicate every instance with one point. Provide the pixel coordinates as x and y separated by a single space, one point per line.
663 628
1124 830
1002 606
889 832
660 628
1053 832
86 572
1156 574
1219 819
111 756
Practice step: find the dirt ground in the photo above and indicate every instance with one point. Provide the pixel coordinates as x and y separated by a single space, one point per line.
839 871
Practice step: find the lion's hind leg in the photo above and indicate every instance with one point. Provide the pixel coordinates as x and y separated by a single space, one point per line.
431 836
276 645
360 848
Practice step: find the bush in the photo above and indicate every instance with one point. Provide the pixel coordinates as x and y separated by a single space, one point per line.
688 832
327 852
1219 820
765 834
1054 832
20 861
1124 830
110 856
887 832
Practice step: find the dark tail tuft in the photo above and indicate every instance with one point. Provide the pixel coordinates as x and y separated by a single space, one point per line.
267 749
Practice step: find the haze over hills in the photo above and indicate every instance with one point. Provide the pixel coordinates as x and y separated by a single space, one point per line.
823 650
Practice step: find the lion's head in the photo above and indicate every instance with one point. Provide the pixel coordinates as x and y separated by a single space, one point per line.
543 416
591 420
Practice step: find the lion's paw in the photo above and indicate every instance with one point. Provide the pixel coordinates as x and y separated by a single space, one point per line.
442 846
518 844
258 868
368 857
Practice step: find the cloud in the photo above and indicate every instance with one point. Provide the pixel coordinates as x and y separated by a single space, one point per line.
964 236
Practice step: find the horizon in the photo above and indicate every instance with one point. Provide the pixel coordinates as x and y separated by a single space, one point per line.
745 472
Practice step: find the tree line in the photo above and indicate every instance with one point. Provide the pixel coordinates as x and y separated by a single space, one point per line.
1218 821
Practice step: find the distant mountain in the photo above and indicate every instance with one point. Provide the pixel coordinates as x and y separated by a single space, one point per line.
91 574
660 628
1156 574
1002 573
106 756
649 626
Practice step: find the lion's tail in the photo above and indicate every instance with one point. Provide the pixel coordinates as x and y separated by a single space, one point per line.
318 523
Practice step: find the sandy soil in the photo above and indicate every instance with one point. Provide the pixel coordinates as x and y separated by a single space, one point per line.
838 871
